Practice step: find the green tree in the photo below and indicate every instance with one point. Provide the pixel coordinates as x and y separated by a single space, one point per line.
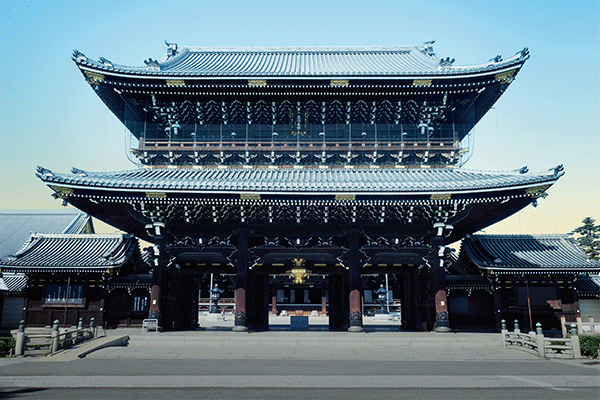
588 237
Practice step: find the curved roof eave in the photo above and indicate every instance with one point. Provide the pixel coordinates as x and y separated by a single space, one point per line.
342 182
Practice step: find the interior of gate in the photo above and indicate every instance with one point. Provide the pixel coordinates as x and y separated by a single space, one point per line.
262 277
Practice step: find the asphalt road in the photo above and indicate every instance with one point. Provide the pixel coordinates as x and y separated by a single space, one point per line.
298 379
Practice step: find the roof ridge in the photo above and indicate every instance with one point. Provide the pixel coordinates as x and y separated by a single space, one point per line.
317 48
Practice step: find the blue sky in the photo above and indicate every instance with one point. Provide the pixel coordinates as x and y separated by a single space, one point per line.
550 115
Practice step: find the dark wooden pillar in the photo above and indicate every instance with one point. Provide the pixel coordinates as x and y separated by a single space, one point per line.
497 309
355 287
258 308
442 322
336 302
241 282
408 302
157 271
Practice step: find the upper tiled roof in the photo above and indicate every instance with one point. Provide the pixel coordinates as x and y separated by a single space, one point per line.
66 252
17 225
348 61
512 253
302 180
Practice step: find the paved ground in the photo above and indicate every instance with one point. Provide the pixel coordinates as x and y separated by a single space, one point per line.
314 364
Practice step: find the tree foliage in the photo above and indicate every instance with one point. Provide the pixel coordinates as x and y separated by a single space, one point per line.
588 237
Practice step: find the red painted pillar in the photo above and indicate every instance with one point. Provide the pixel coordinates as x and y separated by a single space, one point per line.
356 320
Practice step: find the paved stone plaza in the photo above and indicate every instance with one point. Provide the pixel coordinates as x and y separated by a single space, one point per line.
283 364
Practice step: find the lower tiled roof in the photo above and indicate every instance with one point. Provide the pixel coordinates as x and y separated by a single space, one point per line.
512 253
12 283
301 180
17 225
588 286
66 252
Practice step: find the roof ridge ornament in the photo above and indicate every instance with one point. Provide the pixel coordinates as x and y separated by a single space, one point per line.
171 49
525 52
429 48
106 62
43 172
79 56
77 171
446 63
558 169
152 65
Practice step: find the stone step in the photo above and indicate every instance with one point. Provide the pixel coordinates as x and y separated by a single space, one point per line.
316 339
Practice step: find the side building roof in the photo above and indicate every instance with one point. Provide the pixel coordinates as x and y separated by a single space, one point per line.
12 283
506 254
17 225
72 252
588 286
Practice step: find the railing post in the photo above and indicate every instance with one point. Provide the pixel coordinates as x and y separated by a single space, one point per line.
563 325
575 346
592 326
540 340
517 329
576 350
579 326
538 329
20 340
504 332
573 330
54 348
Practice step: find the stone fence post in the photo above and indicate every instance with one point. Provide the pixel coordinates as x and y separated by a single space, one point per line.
575 341
504 331
539 339
20 340
54 348
93 327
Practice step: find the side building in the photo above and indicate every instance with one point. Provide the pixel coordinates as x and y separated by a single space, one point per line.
73 276
15 228
528 278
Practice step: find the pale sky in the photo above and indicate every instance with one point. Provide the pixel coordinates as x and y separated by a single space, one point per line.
549 115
